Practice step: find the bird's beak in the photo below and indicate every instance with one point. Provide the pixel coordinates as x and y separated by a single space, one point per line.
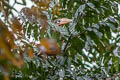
63 21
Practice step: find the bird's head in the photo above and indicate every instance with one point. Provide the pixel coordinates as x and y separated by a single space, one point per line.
62 21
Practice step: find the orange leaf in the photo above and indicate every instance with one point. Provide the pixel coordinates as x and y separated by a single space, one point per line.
30 53
17 62
2 57
51 46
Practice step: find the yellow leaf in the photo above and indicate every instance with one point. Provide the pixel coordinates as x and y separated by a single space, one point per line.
6 77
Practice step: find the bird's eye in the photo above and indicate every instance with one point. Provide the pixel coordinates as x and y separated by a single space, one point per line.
57 21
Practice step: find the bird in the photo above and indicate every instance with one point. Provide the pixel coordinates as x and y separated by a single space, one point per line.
49 46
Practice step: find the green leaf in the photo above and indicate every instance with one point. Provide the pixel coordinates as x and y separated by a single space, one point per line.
111 26
91 5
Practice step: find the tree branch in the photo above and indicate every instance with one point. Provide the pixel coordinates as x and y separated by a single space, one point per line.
67 43
69 38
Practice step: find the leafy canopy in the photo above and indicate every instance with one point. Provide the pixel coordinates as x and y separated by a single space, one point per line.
90 45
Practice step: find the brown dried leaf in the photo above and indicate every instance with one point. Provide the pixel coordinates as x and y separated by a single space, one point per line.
9 56
44 4
51 47
35 15
7 35
1 6
9 39
43 21
27 13
35 12
21 54
17 62
16 26
2 57
6 44
30 53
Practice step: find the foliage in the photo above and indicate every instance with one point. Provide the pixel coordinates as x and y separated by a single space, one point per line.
90 45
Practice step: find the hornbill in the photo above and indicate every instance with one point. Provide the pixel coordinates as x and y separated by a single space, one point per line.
50 47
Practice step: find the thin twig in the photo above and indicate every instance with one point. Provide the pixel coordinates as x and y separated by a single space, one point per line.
67 43
69 38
